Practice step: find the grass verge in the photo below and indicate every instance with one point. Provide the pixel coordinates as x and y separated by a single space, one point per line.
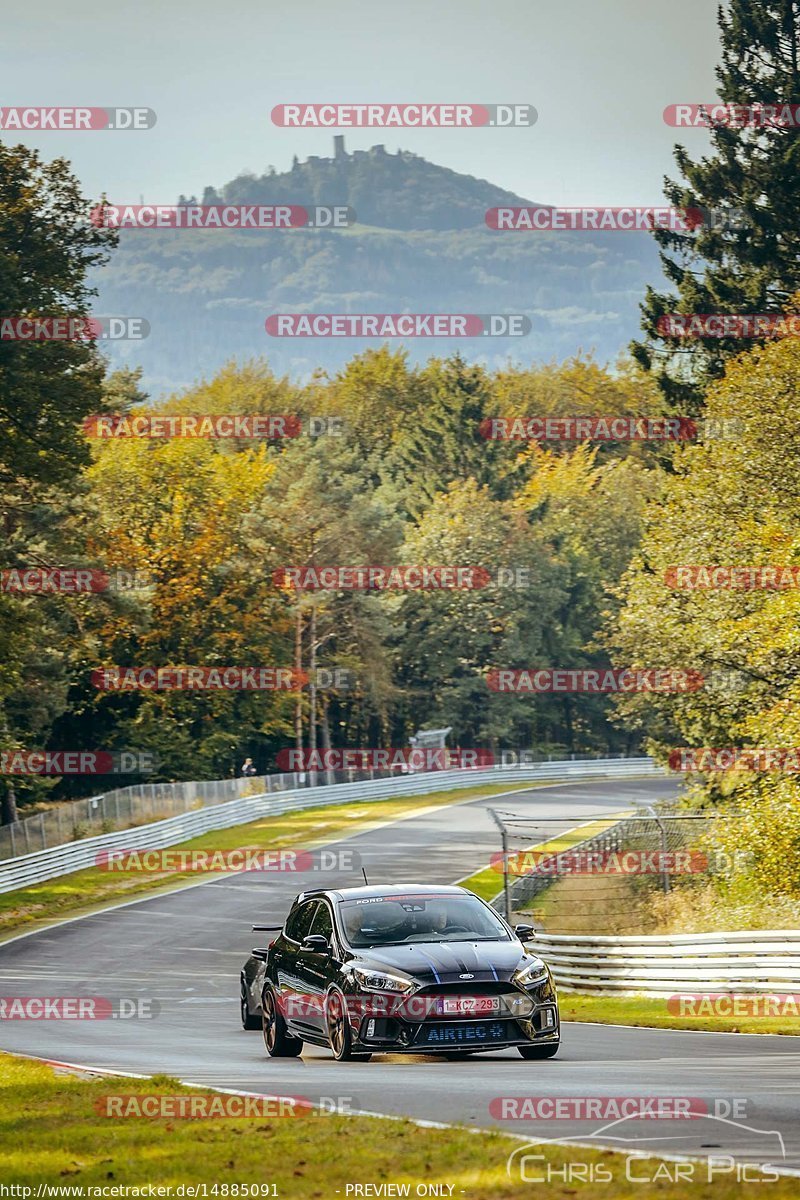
94 888
51 1133
651 1011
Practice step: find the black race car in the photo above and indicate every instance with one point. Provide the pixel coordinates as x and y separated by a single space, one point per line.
399 969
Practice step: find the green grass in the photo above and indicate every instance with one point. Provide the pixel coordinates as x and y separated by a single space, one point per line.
52 1134
651 1011
93 888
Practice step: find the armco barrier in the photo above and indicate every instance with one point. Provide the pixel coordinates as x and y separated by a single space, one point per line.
755 961
126 807
75 856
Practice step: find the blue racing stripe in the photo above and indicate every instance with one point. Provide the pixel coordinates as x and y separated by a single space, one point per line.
433 965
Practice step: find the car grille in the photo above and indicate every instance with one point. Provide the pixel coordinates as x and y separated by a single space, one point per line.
467 987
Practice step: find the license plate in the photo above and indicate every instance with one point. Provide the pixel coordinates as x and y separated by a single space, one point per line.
468 1006
474 1033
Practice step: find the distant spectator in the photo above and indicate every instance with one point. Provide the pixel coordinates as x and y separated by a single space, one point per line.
248 768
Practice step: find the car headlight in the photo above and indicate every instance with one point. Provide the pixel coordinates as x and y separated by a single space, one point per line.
382 981
531 974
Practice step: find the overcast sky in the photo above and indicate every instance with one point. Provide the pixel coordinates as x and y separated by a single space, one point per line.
599 72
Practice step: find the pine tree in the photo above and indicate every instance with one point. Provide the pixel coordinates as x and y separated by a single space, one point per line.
441 443
48 251
751 266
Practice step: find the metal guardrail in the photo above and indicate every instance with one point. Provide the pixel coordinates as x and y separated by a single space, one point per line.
142 803
754 961
124 808
77 855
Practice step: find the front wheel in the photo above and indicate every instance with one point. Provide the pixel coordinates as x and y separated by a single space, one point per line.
278 1043
547 1051
340 1035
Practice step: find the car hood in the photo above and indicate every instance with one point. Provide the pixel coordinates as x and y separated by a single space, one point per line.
448 962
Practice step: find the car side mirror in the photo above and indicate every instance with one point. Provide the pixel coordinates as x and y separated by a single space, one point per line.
316 944
260 952
524 932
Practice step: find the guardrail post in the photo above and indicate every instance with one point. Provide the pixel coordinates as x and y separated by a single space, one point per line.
664 849
506 886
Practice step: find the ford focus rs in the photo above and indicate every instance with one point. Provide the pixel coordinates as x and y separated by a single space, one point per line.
398 969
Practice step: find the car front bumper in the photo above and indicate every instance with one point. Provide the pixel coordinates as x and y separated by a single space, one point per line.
397 1034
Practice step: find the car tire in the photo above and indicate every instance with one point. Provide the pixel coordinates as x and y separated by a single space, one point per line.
540 1052
277 1041
248 1020
338 1026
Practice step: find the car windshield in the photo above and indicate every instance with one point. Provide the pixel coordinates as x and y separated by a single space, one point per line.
396 920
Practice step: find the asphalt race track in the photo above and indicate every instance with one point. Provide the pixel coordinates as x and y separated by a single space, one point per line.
185 949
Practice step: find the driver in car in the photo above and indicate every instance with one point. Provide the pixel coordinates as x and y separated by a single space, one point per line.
383 922
432 920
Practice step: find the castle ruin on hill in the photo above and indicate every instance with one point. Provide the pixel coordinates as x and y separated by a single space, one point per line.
340 154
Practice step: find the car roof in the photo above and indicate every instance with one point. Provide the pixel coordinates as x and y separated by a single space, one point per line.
385 890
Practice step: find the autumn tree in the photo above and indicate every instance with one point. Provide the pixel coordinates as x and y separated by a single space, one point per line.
734 502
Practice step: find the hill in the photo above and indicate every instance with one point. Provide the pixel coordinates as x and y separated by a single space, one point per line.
387 191
420 244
